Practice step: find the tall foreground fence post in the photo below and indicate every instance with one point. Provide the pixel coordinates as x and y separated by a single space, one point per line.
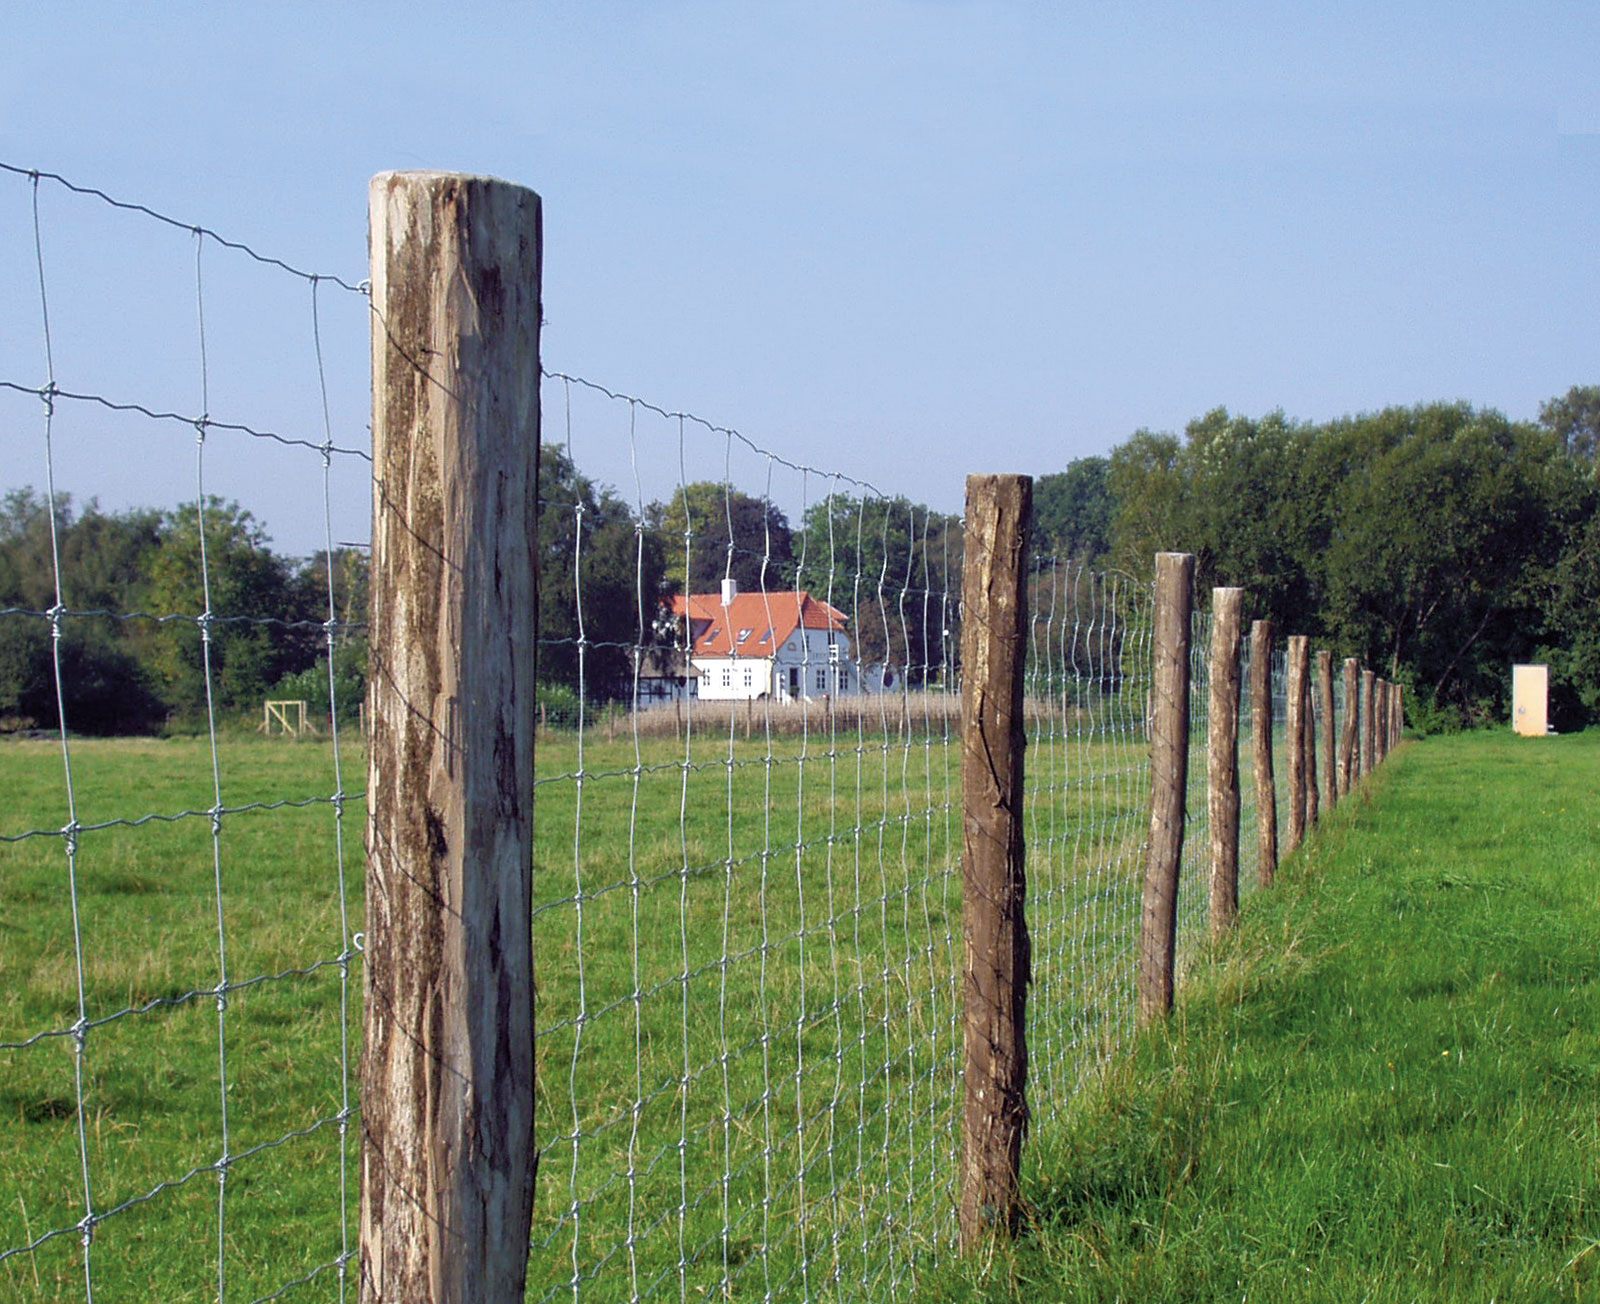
448 1152
1169 781
994 624
1313 795
1222 764
1261 748
1295 742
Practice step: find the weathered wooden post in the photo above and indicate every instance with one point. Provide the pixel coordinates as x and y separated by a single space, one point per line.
1380 712
994 625
1330 744
1352 716
448 1153
1369 724
1222 766
1261 748
1295 719
1169 780
1399 712
1313 801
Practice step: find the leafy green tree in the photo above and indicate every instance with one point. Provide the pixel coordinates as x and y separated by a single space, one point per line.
601 580
104 689
1150 494
252 606
1574 419
894 568
1073 511
730 535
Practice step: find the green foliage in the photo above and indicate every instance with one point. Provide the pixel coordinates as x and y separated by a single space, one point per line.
1073 511
894 568
728 534
231 574
1439 542
601 576
1381 1087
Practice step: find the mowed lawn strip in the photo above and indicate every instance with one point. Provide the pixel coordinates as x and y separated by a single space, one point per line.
1384 1087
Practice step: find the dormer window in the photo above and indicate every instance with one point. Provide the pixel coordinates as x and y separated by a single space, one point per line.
745 634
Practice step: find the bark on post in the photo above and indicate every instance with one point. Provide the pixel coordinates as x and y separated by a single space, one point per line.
1222 799
1380 711
1399 712
1313 801
448 1154
1299 648
1330 748
1261 748
993 646
1369 730
1169 781
1348 754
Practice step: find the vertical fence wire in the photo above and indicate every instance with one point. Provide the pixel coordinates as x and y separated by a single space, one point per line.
157 835
747 879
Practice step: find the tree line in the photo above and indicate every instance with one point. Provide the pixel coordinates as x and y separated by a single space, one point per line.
134 650
1440 542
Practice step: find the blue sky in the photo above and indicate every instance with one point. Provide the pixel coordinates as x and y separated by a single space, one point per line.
903 241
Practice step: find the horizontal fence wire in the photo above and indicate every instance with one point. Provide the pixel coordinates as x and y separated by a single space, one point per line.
747 878
179 1025
747 914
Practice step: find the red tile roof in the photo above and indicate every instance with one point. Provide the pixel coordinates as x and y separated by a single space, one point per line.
764 619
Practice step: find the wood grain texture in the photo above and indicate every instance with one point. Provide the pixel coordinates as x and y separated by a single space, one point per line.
1369 723
1222 757
1350 731
448 1153
1330 733
1261 751
994 628
1296 674
1169 779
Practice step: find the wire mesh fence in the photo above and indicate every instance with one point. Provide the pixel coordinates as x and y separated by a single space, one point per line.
181 1014
747 859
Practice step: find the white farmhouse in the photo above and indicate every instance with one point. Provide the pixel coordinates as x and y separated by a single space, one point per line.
783 646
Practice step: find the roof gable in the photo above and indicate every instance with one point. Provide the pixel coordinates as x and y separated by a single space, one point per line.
753 624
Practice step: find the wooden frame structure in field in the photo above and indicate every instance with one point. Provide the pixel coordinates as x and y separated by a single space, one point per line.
290 718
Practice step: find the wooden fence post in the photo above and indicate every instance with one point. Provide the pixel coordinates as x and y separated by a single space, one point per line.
1298 665
994 630
448 1153
1222 768
1350 732
1313 798
1261 749
1369 730
1330 735
1399 712
1169 781
1381 715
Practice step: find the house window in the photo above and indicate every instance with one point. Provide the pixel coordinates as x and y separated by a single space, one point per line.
833 652
744 634
844 681
748 679
822 681
727 676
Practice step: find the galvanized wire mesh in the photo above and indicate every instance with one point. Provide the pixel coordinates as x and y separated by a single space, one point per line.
156 1126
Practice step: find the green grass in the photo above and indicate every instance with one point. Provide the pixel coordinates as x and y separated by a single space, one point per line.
151 1090
1384 1087
747 1046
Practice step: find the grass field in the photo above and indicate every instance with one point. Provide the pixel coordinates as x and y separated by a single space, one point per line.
1387 1086
748 964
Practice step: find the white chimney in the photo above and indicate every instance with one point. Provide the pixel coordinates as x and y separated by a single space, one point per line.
730 590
